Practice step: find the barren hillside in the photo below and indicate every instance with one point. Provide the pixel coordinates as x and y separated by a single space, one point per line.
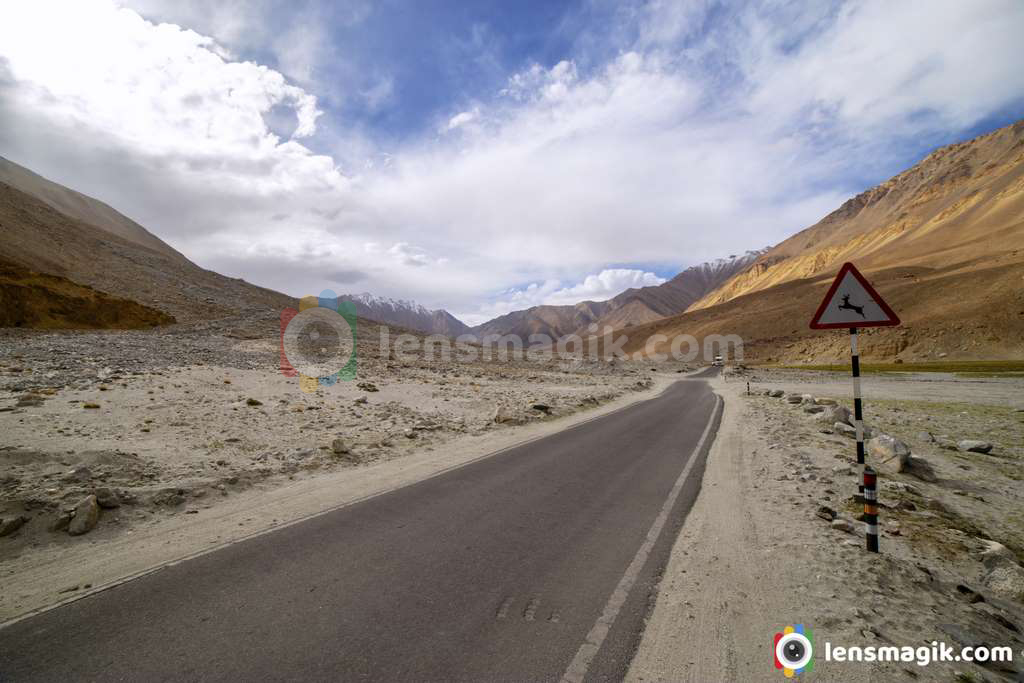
962 206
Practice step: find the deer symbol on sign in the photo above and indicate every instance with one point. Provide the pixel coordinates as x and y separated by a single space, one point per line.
846 305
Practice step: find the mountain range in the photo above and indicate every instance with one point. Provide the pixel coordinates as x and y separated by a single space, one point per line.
943 240
632 307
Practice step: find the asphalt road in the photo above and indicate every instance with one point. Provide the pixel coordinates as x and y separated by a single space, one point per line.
499 570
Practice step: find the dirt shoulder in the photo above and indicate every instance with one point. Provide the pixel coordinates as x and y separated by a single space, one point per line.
754 556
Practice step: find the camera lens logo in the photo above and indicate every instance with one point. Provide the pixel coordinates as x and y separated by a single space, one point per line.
794 650
318 341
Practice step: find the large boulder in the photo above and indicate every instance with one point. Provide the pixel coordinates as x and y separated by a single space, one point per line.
888 454
87 514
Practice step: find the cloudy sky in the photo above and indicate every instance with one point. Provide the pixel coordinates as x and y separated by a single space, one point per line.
488 156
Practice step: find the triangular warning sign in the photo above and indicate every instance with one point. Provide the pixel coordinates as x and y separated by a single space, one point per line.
852 302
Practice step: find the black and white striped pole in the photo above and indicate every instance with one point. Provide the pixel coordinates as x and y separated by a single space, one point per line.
851 303
871 509
858 408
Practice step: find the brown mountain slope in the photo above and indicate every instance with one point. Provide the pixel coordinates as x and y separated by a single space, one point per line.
82 207
962 203
30 299
35 236
634 306
970 311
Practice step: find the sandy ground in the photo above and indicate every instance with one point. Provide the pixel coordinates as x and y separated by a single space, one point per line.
135 539
753 556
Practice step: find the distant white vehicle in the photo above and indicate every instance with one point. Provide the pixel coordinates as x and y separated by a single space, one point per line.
717 361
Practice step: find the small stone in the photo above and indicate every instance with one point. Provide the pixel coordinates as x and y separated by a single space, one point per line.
835 413
776 393
794 399
253 402
10 525
107 498
410 433
973 446
542 407
826 513
367 386
340 447
844 429
812 408
59 522
841 524
87 514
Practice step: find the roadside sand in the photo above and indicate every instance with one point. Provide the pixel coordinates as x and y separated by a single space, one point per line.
54 574
753 557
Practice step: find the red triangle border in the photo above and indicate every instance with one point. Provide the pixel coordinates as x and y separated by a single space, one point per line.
850 268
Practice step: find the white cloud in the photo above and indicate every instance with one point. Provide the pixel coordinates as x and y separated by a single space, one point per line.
463 118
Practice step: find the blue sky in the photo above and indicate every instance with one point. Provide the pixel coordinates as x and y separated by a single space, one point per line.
488 156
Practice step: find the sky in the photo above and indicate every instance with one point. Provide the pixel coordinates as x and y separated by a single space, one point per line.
489 156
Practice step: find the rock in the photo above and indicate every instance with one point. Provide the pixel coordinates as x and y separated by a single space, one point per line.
11 524
107 498
794 399
925 437
542 407
361 401
994 554
826 513
921 468
845 430
888 454
807 399
833 414
367 386
503 416
253 402
59 522
87 514
812 408
80 473
340 447
946 443
827 402
974 446
841 524
409 433
776 393
1007 581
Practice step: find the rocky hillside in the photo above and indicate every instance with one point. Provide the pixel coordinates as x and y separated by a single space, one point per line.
943 242
407 314
961 205
634 306
37 237
79 206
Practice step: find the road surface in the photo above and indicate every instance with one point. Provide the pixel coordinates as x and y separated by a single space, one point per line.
536 564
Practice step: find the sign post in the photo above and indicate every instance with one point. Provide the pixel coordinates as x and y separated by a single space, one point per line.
851 303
